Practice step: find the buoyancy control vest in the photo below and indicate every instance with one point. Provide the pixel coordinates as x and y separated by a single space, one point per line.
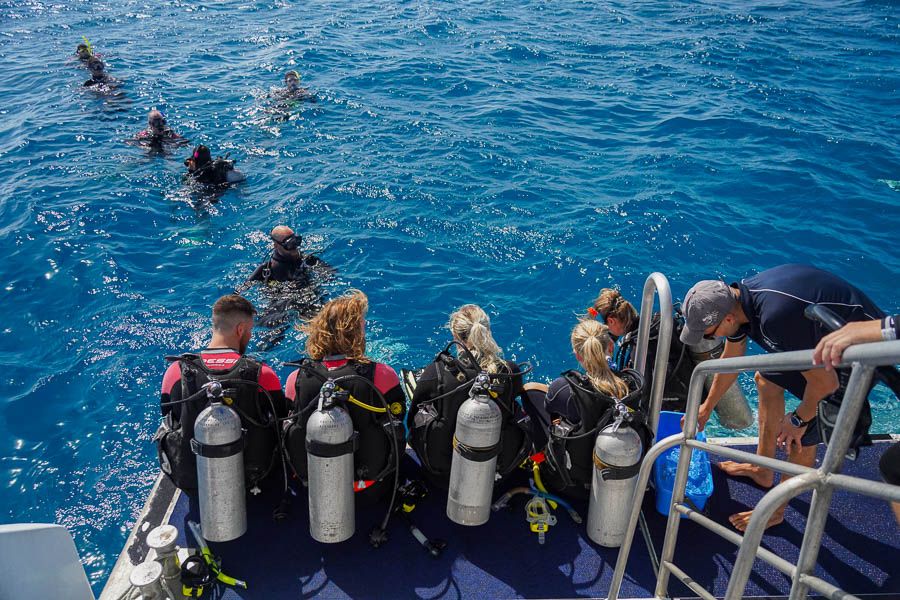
257 413
432 421
215 172
679 369
569 465
375 457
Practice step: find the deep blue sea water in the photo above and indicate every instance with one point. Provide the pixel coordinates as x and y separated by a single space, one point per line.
520 155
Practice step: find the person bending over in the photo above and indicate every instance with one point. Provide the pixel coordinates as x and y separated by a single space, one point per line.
336 346
444 385
768 309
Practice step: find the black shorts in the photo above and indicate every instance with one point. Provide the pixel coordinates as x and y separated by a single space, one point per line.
795 383
890 465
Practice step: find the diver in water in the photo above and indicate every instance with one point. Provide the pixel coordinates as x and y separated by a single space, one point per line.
287 263
83 52
292 89
291 282
158 133
203 169
99 76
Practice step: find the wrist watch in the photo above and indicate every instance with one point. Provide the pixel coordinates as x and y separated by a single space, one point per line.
796 421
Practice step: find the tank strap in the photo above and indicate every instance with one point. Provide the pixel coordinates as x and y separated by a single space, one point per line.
326 450
217 450
477 454
612 472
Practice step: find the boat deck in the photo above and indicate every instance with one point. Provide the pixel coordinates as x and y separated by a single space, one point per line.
860 550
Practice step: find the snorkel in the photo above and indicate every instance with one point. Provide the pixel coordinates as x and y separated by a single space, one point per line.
84 50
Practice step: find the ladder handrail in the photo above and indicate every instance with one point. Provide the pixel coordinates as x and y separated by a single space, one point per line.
862 359
656 284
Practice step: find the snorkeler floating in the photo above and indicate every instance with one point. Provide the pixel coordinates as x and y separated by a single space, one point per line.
203 169
158 134
99 76
292 89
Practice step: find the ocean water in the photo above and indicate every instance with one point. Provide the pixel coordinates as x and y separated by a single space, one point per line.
520 155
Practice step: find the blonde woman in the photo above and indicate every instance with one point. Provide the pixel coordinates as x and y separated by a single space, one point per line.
444 385
336 348
577 404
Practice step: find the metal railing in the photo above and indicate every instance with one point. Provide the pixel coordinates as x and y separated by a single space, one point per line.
862 359
656 284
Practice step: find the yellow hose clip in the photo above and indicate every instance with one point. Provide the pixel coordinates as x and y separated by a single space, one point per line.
365 406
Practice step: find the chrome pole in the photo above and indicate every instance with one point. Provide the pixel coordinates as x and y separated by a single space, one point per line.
656 284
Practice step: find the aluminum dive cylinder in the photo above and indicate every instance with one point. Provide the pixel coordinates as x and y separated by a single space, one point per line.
330 443
219 445
617 456
476 445
733 409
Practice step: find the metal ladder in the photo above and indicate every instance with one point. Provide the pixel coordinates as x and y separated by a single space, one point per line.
862 359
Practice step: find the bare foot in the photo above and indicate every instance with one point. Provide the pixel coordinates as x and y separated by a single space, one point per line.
741 520
760 476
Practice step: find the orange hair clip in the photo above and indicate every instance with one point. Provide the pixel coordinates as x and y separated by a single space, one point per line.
593 312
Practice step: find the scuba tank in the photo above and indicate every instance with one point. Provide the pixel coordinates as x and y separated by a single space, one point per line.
733 409
330 443
476 446
218 444
617 460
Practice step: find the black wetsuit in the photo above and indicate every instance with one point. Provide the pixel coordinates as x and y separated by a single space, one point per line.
286 268
103 79
215 172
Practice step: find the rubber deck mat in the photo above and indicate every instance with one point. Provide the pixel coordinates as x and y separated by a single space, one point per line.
502 559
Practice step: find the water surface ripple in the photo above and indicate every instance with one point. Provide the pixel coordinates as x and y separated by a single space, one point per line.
517 154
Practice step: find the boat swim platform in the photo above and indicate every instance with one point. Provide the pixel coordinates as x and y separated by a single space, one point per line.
860 550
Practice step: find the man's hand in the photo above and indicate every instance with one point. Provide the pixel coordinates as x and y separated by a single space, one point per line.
830 348
702 416
789 435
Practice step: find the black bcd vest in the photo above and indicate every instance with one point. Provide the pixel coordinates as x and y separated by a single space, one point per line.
173 438
569 464
433 424
376 454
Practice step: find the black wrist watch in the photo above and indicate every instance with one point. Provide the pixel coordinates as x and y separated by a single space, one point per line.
796 421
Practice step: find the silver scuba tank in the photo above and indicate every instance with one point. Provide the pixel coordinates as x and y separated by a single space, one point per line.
330 443
476 445
219 445
617 456
733 409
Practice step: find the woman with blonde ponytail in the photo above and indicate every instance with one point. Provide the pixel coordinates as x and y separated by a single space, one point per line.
444 385
573 408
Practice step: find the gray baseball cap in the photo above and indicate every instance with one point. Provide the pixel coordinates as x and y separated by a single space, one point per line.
705 305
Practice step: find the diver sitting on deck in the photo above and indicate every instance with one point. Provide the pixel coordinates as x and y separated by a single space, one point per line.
769 309
444 385
577 405
222 360
828 353
623 320
336 346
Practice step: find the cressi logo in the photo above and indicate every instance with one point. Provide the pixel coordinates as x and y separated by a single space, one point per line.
219 362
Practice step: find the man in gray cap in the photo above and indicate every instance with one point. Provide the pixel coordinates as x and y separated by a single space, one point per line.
768 308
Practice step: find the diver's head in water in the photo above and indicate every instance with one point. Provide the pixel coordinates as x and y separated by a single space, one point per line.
97 68
292 81
83 52
199 159
286 242
156 121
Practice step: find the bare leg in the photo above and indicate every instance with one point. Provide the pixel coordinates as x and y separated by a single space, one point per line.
806 456
771 411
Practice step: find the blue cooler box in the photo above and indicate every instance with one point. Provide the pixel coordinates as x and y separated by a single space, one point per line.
700 482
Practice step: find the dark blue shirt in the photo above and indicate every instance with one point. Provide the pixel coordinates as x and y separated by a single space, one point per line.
774 301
